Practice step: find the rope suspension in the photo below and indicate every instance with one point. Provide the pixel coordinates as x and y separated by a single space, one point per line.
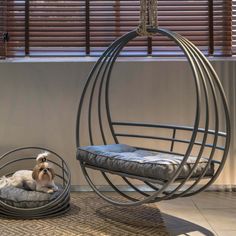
148 17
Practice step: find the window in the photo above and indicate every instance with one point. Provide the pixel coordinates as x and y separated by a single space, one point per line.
234 27
87 27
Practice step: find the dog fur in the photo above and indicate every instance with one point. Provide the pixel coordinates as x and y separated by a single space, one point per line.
40 179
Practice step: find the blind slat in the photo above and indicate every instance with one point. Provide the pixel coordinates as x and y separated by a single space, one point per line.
87 27
2 28
234 27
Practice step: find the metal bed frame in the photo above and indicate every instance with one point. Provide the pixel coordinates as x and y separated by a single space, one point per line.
11 160
94 107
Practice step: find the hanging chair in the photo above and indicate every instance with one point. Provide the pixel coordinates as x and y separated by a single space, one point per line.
170 171
24 204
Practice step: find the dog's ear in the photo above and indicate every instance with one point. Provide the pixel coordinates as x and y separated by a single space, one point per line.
52 172
35 173
42 157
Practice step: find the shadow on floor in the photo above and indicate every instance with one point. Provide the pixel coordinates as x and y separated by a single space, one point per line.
140 220
177 226
148 220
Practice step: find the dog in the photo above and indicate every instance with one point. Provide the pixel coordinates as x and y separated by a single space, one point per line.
40 179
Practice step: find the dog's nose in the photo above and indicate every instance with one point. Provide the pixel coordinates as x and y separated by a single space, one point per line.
45 170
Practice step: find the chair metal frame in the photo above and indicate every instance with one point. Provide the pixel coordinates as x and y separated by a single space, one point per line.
95 105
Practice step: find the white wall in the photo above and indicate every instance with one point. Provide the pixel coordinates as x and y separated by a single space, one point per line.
38 101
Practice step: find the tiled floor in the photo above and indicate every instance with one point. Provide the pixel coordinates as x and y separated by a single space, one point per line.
209 213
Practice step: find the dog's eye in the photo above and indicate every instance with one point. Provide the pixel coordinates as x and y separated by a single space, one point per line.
41 169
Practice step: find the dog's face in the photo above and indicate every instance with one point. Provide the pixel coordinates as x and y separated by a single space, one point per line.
43 172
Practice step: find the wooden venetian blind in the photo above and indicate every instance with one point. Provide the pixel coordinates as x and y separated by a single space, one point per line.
56 27
188 18
87 27
234 27
2 29
15 27
109 20
46 28
222 27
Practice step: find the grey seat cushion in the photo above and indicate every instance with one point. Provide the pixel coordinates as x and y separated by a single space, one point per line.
127 159
26 199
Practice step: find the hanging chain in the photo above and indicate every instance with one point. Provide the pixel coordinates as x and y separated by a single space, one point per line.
148 17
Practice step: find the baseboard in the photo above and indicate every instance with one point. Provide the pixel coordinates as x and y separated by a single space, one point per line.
106 188
222 188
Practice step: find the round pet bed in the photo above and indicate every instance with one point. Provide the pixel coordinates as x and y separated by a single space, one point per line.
20 203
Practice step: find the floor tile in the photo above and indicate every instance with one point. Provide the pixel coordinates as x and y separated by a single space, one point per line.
215 200
226 233
221 219
186 219
180 203
181 224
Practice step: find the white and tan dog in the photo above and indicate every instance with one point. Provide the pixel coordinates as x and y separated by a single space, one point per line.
40 179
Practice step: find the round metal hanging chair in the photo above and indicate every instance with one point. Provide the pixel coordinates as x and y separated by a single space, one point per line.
193 173
24 159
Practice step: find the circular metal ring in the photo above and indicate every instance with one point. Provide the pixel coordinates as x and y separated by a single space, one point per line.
208 90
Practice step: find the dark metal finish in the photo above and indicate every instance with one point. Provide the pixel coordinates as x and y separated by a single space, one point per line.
27 11
211 110
149 46
5 37
12 159
87 23
211 27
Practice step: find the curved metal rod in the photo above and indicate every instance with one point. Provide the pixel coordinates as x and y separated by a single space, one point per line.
31 147
37 210
116 50
79 112
66 169
14 215
175 140
117 190
46 207
30 159
115 46
134 187
190 54
205 132
50 214
57 175
155 188
96 190
133 35
227 120
195 126
33 158
198 98
34 213
197 117
192 47
50 205
110 62
84 93
166 126
206 95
